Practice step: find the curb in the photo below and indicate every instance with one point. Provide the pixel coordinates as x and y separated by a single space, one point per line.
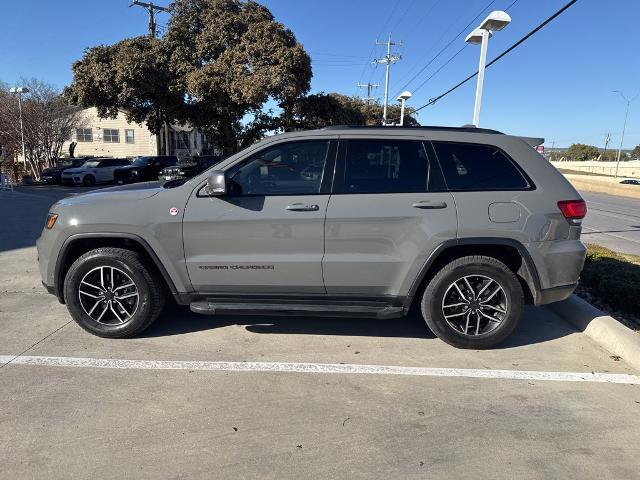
601 328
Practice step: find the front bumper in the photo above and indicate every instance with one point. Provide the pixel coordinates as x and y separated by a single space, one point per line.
75 180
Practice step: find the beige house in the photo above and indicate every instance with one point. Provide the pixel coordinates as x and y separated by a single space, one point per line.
120 139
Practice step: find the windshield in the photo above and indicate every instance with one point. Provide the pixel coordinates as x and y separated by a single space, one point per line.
91 163
141 161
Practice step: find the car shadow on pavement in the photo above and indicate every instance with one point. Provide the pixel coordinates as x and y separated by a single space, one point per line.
24 212
537 326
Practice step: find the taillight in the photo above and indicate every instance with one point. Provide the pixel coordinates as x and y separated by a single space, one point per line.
573 210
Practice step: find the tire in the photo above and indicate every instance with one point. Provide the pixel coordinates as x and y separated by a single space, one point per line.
89 181
125 314
466 324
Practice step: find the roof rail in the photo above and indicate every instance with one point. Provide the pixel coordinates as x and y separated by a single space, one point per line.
426 127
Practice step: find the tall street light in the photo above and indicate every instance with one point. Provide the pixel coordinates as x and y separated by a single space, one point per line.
495 21
20 91
624 127
403 97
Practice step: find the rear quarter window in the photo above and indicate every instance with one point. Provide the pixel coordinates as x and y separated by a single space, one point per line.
469 167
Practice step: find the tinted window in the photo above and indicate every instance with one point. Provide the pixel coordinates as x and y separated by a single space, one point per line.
478 167
286 169
388 166
141 161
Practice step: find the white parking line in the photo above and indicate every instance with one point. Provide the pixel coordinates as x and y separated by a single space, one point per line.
74 362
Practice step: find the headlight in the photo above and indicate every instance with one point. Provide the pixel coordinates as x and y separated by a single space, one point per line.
51 220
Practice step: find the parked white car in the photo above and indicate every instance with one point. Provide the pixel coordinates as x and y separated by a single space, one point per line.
97 170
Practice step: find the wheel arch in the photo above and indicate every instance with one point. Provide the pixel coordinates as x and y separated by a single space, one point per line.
509 251
78 244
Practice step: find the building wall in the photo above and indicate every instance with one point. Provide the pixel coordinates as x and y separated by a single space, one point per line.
144 142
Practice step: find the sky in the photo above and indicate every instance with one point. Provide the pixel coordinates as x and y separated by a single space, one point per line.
557 85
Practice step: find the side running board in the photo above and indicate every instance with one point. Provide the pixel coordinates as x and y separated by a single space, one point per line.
215 307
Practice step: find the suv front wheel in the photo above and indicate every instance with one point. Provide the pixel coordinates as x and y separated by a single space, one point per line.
111 293
473 302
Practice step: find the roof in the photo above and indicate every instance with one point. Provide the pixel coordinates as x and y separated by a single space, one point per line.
469 129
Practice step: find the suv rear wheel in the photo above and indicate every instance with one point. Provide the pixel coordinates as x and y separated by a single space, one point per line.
473 302
110 292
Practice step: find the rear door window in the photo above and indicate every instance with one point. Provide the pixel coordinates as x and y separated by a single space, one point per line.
469 167
389 166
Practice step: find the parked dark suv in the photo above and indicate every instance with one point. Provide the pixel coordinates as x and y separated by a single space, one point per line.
189 167
143 169
467 225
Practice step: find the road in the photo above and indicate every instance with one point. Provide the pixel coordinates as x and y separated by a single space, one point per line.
296 397
613 222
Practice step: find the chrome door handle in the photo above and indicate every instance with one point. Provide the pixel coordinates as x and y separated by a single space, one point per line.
425 204
301 207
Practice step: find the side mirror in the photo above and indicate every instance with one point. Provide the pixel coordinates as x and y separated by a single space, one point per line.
216 183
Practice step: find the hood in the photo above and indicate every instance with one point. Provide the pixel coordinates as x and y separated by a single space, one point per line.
128 168
124 193
77 169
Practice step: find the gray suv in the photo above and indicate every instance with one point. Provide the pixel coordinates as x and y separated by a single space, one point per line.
467 225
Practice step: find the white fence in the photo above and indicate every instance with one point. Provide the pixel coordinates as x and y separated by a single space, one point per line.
629 169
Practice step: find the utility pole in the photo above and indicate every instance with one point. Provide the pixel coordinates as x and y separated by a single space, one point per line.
624 127
607 139
369 86
388 59
152 9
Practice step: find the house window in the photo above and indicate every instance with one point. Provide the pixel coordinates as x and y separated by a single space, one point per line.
111 135
84 135
128 136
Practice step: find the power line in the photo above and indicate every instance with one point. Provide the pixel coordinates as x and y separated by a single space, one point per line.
512 47
440 68
452 57
369 86
401 17
338 55
464 29
373 47
151 9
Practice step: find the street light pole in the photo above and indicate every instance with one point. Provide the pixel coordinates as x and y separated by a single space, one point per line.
403 97
20 91
481 66
624 127
495 21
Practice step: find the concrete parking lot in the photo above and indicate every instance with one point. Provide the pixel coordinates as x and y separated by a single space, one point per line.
269 397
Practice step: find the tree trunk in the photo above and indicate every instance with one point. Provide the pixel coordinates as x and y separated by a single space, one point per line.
167 140
229 140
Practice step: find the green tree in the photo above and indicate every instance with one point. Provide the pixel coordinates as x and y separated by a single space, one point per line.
635 153
232 57
216 67
132 76
325 109
581 152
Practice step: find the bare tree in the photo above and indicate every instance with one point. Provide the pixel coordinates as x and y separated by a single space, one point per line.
48 121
